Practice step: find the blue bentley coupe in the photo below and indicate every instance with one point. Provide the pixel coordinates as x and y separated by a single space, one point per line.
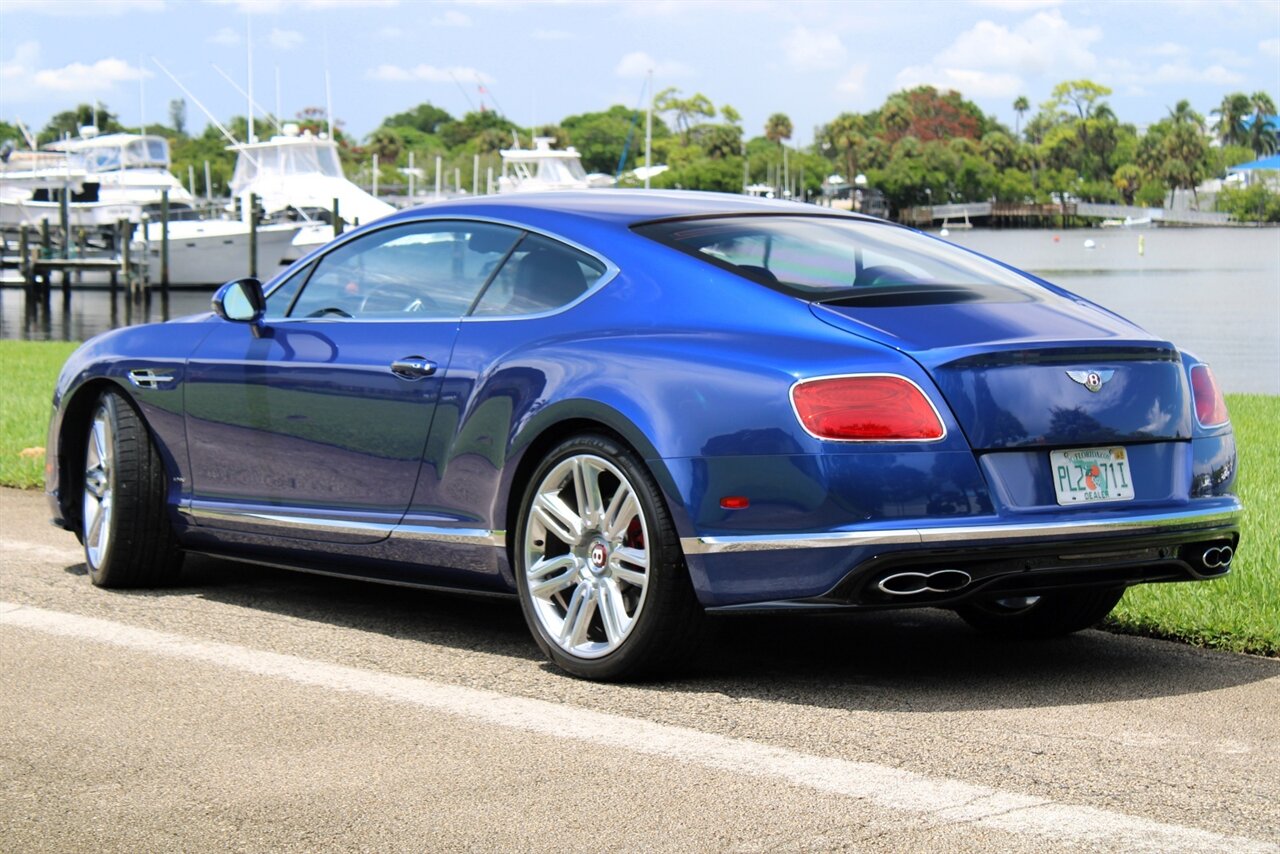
629 409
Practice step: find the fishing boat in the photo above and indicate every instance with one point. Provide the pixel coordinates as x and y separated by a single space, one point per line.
542 168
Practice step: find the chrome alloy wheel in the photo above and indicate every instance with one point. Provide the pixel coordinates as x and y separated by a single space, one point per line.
99 482
586 556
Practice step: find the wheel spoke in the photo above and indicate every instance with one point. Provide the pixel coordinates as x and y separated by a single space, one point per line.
612 613
558 519
577 617
586 487
94 534
100 442
622 573
622 509
543 587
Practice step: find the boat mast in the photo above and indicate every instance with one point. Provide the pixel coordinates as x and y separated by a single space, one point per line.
249 24
648 132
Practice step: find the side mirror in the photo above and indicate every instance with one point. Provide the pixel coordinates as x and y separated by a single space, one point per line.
240 301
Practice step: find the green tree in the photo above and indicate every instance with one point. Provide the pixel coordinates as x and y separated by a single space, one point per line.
1020 107
686 111
69 122
778 127
178 116
602 138
1263 132
1128 181
1231 113
426 117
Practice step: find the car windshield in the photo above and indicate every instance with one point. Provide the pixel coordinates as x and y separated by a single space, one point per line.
842 260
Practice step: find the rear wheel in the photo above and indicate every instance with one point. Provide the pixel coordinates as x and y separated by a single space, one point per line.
1047 615
128 541
598 565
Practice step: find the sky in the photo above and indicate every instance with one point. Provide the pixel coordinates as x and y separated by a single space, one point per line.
536 62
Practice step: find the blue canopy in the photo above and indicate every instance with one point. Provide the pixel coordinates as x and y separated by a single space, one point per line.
1272 162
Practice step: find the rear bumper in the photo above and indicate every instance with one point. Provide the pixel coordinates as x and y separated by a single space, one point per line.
843 569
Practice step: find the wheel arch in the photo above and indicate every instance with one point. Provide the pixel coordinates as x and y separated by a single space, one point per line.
76 411
556 424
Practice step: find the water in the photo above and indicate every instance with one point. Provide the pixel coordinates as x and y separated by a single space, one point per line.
1212 291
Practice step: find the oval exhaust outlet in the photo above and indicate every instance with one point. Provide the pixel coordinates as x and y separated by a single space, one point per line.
1217 557
912 583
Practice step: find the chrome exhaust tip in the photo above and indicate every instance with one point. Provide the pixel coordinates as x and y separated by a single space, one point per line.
913 583
1217 557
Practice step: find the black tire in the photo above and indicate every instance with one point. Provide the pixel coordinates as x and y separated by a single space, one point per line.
666 626
132 544
1052 614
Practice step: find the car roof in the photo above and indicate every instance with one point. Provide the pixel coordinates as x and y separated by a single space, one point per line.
621 207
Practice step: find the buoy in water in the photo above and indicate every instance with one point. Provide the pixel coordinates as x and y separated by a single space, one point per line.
944 232
1142 244
1056 238
1089 244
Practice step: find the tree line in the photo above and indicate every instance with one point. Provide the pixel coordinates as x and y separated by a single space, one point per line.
921 146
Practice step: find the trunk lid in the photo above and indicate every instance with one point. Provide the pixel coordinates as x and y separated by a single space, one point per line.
1037 371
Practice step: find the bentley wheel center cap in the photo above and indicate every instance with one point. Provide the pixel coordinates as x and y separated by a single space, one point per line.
598 557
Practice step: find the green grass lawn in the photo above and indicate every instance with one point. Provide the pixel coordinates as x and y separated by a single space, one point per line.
28 370
1240 612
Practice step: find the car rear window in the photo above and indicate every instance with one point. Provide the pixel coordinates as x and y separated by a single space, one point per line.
842 260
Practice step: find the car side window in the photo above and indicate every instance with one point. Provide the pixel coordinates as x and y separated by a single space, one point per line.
416 270
282 295
541 275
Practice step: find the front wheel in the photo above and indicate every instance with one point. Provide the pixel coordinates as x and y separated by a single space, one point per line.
1047 615
124 520
598 565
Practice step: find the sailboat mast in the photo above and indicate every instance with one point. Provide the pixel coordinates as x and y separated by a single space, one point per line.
251 136
648 132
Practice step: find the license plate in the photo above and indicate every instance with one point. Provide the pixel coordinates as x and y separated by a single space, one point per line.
1089 475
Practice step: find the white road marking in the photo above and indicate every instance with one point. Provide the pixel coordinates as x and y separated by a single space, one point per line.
946 801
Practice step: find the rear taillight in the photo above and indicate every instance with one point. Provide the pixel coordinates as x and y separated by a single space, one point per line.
1211 409
871 408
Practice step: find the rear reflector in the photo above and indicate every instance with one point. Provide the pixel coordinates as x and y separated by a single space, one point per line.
872 408
1211 409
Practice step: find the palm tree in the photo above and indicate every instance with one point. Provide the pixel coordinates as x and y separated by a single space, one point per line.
778 127
1233 111
1263 131
1182 114
1020 106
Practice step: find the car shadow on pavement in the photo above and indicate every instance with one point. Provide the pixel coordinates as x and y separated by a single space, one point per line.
905 661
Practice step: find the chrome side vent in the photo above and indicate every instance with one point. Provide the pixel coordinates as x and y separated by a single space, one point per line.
149 379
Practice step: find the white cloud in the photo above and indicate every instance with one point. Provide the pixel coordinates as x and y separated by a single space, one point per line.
1165 49
80 8
1016 5
808 50
1270 47
854 81
428 73
285 39
80 79
1043 42
638 63
25 56
551 35
273 7
972 83
1182 72
225 36
451 18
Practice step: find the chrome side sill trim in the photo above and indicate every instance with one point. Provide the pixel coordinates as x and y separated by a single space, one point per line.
1151 522
422 533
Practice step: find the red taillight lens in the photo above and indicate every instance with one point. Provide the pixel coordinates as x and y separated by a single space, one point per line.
1211 409
870 408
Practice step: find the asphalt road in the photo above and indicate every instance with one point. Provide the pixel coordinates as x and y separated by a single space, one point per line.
254 709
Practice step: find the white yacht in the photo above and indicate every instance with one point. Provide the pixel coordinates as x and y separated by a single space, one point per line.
299 173
526 170
109 177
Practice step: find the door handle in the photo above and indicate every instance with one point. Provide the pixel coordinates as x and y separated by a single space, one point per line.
413 367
